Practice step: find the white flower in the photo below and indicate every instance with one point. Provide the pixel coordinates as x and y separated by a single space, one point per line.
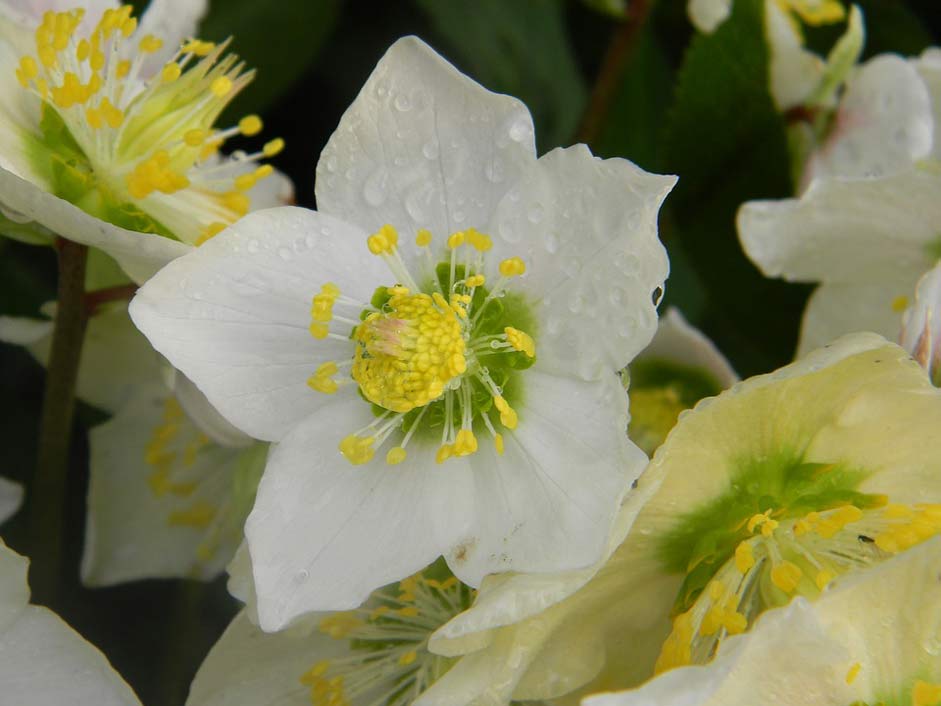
766 492
106 130
498 438
872 638
677 369
376 654
42 660
921 324
865 227
11 497
171 481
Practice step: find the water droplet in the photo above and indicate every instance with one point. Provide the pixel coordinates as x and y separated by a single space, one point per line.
553 325
374 190
536 213
508 232
494 171
299 245
400 161
252 246
285 254
402 103
331 163
520 130
302 576
430 150
617 295
552 242
311 241
458 216
932 645
514 196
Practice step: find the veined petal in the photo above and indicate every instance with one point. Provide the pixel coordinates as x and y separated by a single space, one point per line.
205 416
423 146
587 230
883 123
144 522
837 309
234 316
871 635
268 666
11 497
139 254
314 512
542 515
845 230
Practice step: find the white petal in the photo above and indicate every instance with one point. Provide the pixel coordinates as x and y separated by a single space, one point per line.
846 230
587 230
128 533
11 497
793 71
139 254
788 656
423 146
14 592
274 190
248 667
679 342
241 582
173 21
837 309
323 534
205 416
706 15
549 503
43 662
929 68
116 358
510 598
234 316
883 123
19 115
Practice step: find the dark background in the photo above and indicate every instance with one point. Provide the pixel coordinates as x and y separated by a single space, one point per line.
699 110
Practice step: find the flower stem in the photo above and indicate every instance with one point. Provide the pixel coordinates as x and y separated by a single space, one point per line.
49 484
618 54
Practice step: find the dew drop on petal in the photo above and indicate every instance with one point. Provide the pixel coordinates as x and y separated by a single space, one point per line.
402 103
430 150
374 190
520 130
285 254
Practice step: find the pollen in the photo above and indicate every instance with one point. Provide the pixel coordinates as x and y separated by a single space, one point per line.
520 341
853 672
357 449
512 267
744 557
406 355
786 575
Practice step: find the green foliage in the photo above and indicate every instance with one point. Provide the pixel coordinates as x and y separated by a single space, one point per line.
520 48
727 143
278 41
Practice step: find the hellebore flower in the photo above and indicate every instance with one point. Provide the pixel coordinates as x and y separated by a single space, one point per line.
435 351
873 638
107 130
767 492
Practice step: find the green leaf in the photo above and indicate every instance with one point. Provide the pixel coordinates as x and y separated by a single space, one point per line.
727 144
633 126
520 48
278 40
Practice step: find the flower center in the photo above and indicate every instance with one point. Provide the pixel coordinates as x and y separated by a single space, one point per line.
388 660
434 360
780 558
408 353
117 129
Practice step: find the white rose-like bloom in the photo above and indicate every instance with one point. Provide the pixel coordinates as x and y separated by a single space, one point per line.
872 638
451 393
44 662
865 228
107 129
